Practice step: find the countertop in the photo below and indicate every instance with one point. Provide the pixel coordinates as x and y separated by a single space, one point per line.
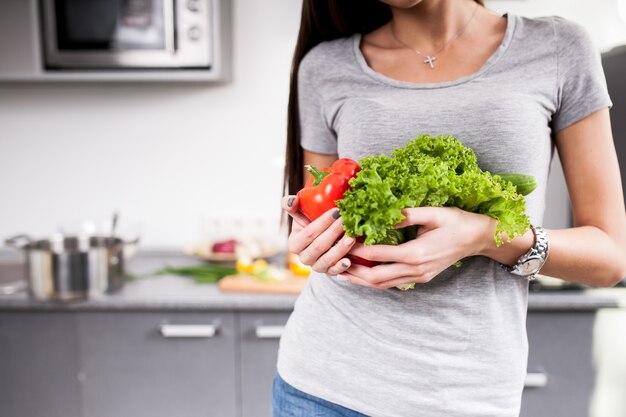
150 292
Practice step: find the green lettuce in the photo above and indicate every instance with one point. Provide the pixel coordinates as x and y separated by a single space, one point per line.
429 171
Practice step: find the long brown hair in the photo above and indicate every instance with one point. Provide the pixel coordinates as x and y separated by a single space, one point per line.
323 20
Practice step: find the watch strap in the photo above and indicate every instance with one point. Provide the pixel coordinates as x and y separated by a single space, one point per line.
529 264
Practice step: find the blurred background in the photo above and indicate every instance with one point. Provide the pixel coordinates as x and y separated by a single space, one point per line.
155 151
184 151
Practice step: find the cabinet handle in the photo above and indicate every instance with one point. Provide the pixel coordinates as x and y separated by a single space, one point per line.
536 380
188 330
269 332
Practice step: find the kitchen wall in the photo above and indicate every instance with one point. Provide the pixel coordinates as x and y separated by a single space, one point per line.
168 156
604 19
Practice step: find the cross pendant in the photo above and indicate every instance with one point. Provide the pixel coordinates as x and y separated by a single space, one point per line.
429 60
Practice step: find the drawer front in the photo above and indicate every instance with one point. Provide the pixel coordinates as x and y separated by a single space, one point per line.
38 365
561 374
260 335
144 364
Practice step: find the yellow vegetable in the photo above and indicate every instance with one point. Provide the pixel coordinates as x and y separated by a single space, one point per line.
259 266
248 266
297 267
244 265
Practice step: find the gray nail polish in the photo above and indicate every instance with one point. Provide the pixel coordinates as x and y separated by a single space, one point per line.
336 214
290 201
345 264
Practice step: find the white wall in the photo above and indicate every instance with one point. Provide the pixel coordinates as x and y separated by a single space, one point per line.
599 17
163 154
169 155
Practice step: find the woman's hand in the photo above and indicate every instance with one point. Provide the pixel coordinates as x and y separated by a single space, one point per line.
445 236
314 242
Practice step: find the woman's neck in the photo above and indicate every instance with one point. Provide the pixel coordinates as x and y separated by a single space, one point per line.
431 23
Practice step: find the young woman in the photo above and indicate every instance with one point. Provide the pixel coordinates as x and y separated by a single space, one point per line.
368 76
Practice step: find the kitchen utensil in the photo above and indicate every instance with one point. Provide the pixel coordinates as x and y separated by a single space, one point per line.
67 268
114 223
12 274
12 288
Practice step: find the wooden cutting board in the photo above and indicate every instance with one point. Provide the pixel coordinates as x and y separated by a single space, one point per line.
247 283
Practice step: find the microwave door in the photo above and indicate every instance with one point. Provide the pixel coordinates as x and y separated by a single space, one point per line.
109 33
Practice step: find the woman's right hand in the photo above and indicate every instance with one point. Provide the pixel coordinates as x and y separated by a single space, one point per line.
318 243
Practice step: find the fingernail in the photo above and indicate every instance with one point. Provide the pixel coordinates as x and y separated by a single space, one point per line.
290 201
336 214
347 240
345 264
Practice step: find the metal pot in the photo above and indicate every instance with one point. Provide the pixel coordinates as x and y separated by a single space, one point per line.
64 268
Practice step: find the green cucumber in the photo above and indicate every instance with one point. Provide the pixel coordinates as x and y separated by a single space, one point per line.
525 184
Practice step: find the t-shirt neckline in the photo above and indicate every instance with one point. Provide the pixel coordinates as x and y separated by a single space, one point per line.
495 56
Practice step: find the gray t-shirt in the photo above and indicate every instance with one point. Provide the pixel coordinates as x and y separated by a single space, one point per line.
457 345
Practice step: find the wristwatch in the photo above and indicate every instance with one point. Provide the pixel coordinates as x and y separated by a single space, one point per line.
529 264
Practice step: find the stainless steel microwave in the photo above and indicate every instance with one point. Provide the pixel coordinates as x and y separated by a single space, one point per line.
128 34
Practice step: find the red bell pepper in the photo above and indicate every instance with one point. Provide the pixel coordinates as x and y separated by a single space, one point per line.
324 188
315 176
362 261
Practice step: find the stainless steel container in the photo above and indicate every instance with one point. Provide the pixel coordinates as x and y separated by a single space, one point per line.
67 268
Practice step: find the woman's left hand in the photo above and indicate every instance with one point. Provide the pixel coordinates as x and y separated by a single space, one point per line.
446 235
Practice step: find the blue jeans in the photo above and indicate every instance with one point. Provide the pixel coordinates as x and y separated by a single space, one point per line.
288 401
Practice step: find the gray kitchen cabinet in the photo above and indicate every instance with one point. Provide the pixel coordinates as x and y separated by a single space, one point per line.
38 365
560 359
153 364
139 353
259 336
560 371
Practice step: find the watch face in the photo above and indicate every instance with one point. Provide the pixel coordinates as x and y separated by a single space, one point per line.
531 265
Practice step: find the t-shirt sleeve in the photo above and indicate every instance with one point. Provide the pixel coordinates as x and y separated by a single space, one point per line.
581 85
316 135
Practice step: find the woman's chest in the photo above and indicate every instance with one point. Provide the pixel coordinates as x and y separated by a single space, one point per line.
501 123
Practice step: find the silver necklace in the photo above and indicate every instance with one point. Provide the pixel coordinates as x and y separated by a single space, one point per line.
430 59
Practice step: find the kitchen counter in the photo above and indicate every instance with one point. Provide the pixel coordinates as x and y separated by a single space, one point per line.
160 293
151 292
147 291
